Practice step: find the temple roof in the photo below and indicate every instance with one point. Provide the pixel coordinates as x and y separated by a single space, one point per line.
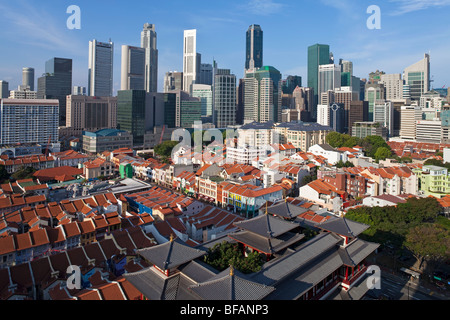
231 285
267 245
286 210
171 254
267 226
344 227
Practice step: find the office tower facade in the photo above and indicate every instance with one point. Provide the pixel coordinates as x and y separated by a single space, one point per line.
224 98
329 78
417 77
29 121
28 78
79 91
240 102
22 93
262 96
187 109
205 94
393 85
149 43
254 48
100 74
303 98
318 54
429 131
56 83
133 68
374 92
290 83
368 128
358 112
409 117
346 66
337 117
191 60
173 81
4 89
323 114
91 113
206 74
383 113
131 114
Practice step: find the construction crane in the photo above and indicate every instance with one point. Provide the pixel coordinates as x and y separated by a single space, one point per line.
162 134
46 149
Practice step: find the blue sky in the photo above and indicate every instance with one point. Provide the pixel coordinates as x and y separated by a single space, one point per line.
32 32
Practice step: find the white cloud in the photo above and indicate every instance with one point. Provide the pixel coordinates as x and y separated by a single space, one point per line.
407 6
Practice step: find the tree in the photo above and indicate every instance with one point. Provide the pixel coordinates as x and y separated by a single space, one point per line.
382 153
335 139
23 173
342 164
4 175
165 148
429 242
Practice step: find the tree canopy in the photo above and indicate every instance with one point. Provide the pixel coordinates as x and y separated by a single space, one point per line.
165 149
370 144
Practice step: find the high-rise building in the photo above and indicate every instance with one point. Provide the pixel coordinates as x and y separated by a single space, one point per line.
409 117
240 102
323 114
383 113
4 89
100 75
56 83
133 68
417 77
262 96
346 66
374 92
318 54
79 91
358 112
22 93
187 109
329 78
393 85
29 121
205 94
224 98
254 47
191 60
375 77
28 78
131 114
290 83
206 74
337 117
173 81
149 43
91 113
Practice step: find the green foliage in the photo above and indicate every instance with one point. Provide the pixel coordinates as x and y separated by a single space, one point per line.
222 255
392 224
371 144
4 175
382 153
165 148
23 173
342 164
435 162
430 241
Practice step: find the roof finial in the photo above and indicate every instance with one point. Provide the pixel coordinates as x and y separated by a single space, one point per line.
231 270
267 207
172 237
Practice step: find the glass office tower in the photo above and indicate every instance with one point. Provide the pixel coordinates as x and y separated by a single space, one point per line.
254 47
318 54
131 113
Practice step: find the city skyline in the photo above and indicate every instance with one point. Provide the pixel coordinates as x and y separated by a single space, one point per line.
289 28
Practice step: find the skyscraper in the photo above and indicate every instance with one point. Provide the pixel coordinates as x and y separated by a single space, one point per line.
393 84
224 98
417 77
131 113
373 93
191 59
56 83
205 93
262 95
133 68
101 61
329 78
318 54
4 89
254 48
173 81
28 78
149 43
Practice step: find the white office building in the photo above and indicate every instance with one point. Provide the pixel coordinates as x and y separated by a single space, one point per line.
417 77
224 98
429 131
323 114
383 113
191 60
393 85
409 115
100 75
329 78
28 121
